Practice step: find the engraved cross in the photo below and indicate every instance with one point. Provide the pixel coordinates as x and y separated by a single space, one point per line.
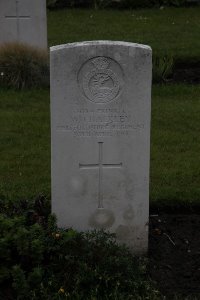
17 16
100 166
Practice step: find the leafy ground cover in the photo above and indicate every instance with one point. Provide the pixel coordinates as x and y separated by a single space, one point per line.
167 30
41 261
175 145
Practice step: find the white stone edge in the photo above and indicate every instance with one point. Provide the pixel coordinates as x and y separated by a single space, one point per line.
95 43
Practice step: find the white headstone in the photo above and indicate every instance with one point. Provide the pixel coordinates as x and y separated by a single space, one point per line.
100 120
23 21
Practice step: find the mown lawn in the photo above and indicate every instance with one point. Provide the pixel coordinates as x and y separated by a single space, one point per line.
24 144
175 144
169 30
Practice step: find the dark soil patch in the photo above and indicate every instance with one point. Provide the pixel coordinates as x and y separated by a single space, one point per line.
174 253
190 74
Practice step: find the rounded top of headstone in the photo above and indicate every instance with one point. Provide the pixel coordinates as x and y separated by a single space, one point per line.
100 43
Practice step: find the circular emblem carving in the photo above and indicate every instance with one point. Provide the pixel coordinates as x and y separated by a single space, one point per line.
100 79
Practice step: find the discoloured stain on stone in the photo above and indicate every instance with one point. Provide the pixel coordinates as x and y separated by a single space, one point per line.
78 185
102 219
129 213
123 232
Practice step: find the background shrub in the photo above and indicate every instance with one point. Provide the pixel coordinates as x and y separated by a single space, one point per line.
125 4
23 66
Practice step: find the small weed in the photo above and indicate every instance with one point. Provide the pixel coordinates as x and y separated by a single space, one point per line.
162 68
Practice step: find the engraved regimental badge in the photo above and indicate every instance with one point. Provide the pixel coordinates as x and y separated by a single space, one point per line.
101 79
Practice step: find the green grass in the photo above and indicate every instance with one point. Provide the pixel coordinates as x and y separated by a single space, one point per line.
171 30
175 144
24 144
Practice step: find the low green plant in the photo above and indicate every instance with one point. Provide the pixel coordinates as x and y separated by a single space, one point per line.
162 68
41 261
23 66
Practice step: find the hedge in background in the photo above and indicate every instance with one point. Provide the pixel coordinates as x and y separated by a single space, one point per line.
23 66
125 4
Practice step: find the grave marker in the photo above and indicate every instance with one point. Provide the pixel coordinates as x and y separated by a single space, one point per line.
18 18
100 120
23 21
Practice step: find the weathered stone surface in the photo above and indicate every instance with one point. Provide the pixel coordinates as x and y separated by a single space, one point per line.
100 120
23 21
